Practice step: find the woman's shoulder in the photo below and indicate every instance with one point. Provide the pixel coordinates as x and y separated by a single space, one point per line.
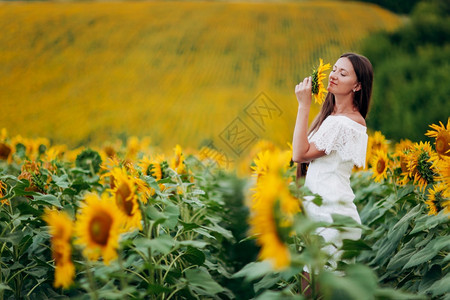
356 118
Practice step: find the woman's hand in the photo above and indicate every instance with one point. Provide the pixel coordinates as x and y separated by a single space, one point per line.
303 92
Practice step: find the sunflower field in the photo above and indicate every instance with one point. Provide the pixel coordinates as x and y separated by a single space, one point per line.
114 181
175 71
125 221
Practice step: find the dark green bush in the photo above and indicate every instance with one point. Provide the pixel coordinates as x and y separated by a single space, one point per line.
411 73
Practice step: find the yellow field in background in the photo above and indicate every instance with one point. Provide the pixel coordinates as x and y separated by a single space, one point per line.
178 72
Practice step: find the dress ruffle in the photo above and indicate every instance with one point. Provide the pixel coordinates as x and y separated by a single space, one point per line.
343 135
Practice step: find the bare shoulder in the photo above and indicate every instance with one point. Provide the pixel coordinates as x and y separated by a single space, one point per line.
357 118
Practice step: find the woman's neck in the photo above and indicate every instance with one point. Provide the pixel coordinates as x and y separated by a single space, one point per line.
344 105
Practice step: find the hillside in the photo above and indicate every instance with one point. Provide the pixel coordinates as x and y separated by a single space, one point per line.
178 72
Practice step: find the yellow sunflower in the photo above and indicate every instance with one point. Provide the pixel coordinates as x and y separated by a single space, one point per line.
318 75
380 165
273 160
98 226
403 145
419 167
442 143
3 190
178 161
124 193
443 174
152 167
244 168
436 198
377 141
401 150
134 146
272 217
61 231
3 134
261 164
5 151
216 157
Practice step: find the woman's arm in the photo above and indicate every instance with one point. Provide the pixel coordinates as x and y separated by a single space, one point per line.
303 151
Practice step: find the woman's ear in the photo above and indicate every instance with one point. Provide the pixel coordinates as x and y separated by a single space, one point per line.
357 87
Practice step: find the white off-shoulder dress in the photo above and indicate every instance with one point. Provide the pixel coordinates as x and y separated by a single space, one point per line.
345 145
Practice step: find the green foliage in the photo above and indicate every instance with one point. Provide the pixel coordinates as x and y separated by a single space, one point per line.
397 6
348 281
409 248
89 160
178 254
411 69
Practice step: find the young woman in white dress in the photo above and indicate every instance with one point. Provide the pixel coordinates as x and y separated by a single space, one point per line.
335 142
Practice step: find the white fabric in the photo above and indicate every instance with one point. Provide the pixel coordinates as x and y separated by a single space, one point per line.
345 143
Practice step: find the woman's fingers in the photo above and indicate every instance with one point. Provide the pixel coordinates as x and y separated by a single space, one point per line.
304 85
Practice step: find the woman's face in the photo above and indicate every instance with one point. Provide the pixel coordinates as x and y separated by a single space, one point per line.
342 79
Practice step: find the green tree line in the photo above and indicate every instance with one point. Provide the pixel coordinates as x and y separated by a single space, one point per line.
411 69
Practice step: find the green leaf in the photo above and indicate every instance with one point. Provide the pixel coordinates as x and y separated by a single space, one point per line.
359 286
279 295
61 181
204 232
393 294
172 212
430 277
427 222
80 185
352 248
161 244
254 270
189 226
4 287
428 252
447 258
196 244
154 214
49 199
194 256
401 258
441 286
317 200
394 235
222 231
268 281
25 208
157 289
345 221
201 282
19 188
355 245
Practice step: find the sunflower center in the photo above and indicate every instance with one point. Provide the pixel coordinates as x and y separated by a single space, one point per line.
381 166
442 144
57 255
4 151
111 181
110 152
99 228
403 164
424 167
124 199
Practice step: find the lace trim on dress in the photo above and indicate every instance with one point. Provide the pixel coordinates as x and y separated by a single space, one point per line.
343 135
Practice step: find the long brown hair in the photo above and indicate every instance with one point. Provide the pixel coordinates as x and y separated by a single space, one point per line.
361 99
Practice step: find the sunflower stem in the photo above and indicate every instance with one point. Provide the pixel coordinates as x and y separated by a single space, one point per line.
92 286
123 284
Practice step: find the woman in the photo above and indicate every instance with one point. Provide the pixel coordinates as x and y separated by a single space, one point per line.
336 141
